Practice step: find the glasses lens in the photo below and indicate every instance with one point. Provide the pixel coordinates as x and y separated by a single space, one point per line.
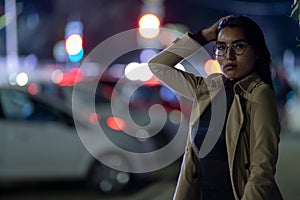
239 47
220 49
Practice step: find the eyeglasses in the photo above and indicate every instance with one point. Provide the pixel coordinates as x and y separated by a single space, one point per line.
220 49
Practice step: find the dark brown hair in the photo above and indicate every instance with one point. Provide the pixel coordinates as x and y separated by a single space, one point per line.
256 39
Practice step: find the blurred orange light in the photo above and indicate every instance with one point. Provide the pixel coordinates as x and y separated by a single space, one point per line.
33 89
116 123
149 26
212 66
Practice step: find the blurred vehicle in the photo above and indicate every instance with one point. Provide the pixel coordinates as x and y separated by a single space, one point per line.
39 142
292 114
135 102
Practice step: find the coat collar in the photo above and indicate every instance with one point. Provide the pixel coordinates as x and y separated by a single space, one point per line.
247 84
242 87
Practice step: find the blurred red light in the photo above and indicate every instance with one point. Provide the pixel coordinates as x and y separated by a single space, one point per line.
33 89
74 76
153 81
116 123
107 91
94 118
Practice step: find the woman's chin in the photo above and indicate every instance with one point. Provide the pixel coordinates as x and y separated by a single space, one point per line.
230 75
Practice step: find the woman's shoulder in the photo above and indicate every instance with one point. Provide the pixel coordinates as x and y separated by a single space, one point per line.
251 84
261 91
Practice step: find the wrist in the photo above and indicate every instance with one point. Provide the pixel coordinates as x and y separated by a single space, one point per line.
198 37
208 35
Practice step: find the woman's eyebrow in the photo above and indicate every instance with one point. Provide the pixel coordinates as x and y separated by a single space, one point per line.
235 41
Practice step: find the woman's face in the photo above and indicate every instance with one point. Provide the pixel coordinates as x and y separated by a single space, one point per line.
235 66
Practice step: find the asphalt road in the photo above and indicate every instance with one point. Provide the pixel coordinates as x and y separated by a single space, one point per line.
160 187
288 168
156 191
163 185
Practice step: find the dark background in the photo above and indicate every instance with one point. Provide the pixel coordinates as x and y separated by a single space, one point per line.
104 18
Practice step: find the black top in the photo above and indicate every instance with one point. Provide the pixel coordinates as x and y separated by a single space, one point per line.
214 166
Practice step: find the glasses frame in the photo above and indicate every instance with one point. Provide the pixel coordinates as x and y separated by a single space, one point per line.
232 47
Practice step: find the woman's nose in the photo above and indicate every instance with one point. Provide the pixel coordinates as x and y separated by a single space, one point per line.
230 54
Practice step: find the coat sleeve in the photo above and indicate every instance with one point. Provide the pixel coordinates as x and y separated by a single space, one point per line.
264 139
162 66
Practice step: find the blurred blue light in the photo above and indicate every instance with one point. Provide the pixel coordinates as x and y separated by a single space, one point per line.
74 27
27 110
76 57
146 55
167 95
290 95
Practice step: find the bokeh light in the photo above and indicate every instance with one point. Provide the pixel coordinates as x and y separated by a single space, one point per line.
149 26
33 88
12 78
57 76
146 55
116 123
74 44
77 57
212 66
167 94
175 116
22 79
138 71
94 118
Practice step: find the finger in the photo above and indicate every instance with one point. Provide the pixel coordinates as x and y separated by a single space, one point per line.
226 17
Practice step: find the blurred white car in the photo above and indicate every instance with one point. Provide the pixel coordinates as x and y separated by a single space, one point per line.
39 142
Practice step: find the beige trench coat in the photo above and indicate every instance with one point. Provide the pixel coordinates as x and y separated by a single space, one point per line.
252 127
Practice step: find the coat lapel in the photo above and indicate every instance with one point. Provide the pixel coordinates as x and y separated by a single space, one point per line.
233 128
212 85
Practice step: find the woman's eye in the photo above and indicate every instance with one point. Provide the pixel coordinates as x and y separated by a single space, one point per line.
239 46
221 47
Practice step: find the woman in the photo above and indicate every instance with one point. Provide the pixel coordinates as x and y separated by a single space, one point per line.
242 162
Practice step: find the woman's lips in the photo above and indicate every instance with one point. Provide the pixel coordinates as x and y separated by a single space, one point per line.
230 66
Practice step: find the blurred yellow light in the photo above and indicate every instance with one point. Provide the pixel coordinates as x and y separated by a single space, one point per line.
74 44
149 26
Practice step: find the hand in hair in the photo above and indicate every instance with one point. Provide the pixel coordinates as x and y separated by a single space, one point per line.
210 33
